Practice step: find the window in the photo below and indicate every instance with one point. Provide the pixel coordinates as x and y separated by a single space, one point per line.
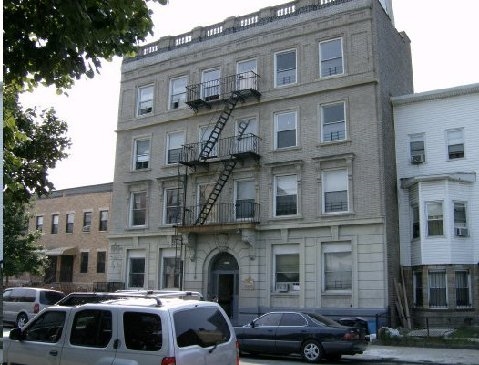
142 154
437 289
333 122
286 195
462 289
55 218
172 272
335 191
142 331
286 272
39 223
434 219
103 220
418 289
331 56
138 209
293 320
91 328
460 221
246 75
248 141
172 212
175 142
70 219
285 66
100 262
210 87
416 148
245 198
455 143
200 326
268 320
337 266
83 262
204 191
145 100
178 92
47 327
136 270
87 221
416 222
285 130
204 136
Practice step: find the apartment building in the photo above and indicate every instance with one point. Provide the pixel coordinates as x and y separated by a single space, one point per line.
255 160
74 225
437 153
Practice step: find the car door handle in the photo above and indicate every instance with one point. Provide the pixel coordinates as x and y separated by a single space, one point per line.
53 352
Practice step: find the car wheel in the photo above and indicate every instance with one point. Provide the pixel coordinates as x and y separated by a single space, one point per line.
22 318
311 351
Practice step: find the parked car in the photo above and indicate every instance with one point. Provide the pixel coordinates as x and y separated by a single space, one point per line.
22 304
311 335
146 330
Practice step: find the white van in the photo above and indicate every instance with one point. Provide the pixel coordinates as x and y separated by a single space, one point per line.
22 304
126 331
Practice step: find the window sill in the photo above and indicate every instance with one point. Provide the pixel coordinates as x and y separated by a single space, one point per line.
286 217
333 143
337 292
136 228
140 170
291 293
335 214
287 149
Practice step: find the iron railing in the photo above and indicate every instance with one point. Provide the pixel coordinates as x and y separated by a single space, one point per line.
224 213
224 148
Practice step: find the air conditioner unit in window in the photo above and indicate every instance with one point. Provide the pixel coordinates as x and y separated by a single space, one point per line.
417 159
461 231
86 228
282 287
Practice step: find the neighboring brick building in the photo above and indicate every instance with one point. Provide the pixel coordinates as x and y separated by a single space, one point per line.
74 225
437 149
255 161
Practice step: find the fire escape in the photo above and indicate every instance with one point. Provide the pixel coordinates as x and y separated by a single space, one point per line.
223 153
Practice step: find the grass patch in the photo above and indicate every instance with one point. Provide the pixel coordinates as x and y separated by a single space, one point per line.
466 332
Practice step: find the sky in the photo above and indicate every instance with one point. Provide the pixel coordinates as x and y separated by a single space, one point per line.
445 54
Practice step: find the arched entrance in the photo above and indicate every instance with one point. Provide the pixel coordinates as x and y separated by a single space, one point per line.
224 282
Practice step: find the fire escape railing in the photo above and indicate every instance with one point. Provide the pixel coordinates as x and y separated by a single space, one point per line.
223 213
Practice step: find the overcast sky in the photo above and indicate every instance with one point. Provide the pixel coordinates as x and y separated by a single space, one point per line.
445 54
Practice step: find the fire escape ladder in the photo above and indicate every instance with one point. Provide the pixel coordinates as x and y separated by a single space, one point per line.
208 146
225 174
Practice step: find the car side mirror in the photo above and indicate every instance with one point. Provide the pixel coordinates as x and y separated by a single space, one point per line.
16 334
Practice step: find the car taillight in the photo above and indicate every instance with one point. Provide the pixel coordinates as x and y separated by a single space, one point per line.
237 352
168 361
351 336
36 308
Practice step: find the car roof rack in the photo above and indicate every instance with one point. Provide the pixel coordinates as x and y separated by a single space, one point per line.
158 294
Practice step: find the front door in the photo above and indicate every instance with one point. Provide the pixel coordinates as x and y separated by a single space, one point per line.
224 283
66 269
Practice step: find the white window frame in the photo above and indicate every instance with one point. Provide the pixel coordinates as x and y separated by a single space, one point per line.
321 61
460 229
176 277
336 248
136 254
325 123
131 209
70 220
204 134
295 81
144 157
177 100
328 174
455 137
279 177
277 131
237 201
248 82
415 156
39 223
428 219
169 143
166 205
140 100
285 250
211 91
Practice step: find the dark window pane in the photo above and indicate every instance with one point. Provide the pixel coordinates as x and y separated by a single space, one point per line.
142 331
286 205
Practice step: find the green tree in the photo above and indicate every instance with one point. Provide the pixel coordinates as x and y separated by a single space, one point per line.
55 42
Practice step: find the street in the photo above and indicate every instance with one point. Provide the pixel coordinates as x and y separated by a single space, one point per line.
296 360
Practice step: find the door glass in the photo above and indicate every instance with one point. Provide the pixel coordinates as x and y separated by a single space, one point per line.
47 327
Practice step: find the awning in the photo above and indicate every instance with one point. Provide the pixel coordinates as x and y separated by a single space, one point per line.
59 251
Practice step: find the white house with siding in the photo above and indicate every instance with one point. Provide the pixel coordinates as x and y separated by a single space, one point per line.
437 156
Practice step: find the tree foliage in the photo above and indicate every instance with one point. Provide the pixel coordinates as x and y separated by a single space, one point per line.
54 42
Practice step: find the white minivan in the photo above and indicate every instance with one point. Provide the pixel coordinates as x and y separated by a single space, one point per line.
126 331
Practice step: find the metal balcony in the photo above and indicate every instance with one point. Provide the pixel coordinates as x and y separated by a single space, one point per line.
243 147
223 216
206 93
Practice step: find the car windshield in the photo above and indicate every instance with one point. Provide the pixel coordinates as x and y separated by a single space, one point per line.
323 321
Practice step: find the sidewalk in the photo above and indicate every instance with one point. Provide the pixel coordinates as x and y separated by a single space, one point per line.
419 355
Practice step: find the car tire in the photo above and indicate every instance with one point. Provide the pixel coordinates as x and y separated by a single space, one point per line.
311 351
21 320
